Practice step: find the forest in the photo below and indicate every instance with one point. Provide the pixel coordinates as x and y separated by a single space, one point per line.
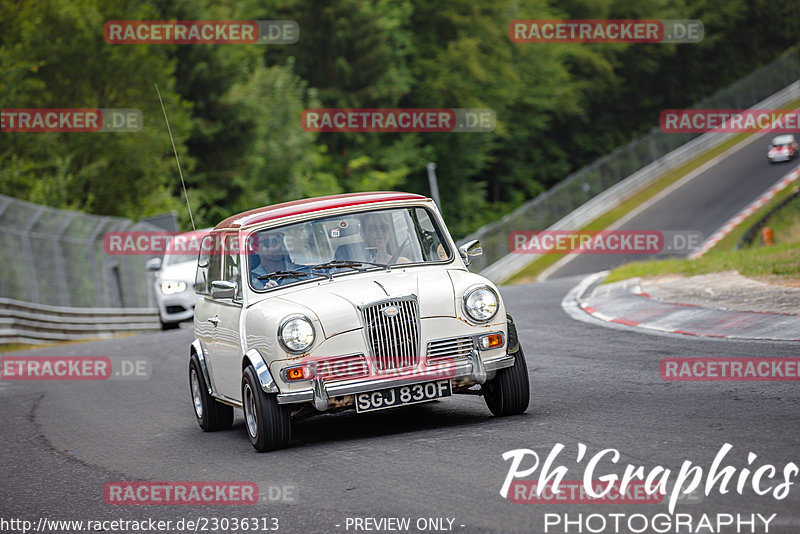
235 109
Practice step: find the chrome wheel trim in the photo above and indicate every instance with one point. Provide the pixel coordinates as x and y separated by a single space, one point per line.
196 395
249 403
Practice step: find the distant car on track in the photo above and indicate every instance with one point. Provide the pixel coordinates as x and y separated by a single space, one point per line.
783 148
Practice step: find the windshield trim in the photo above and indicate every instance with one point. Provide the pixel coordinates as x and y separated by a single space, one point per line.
346 271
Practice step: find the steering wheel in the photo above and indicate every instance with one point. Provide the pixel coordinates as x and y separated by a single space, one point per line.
400 250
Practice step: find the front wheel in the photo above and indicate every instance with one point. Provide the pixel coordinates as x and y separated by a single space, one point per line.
508 393
268 423
210 413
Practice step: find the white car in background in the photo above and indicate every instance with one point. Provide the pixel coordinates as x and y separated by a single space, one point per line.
174 285
783 148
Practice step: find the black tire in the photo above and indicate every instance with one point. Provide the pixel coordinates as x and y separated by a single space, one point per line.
169 326
508 393
268 423
211 414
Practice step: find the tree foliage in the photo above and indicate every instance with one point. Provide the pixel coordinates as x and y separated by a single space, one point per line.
235 109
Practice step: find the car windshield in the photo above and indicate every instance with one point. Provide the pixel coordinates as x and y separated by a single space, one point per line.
345 244
182 248
171 259
782 141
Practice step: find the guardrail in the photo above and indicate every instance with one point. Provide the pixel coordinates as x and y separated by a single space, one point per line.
56 257
508 265
24 322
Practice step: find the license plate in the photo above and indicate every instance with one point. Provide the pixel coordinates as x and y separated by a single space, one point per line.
402 395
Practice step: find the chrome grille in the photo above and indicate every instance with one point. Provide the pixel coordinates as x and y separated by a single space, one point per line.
393 340
450 348
343 367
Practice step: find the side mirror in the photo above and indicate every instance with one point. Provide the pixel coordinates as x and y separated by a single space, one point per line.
153 264
222 289
470 249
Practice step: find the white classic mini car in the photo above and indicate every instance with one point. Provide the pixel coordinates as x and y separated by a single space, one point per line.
348 301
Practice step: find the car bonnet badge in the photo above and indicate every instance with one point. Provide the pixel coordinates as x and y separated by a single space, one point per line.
390 311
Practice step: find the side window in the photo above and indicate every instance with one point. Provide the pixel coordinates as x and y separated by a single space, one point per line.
230 269
214 262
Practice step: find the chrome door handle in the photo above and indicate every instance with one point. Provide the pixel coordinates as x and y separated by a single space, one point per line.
213 320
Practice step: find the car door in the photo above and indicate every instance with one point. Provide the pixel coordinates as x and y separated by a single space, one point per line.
206 309
226 343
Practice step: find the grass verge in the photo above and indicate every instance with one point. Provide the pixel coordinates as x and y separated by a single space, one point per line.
14 347
778 262
729 241
18 347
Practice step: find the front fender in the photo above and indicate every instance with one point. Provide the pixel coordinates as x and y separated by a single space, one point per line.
253 357
199 349
513 339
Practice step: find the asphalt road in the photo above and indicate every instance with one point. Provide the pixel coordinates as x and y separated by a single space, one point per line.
62 442
702 205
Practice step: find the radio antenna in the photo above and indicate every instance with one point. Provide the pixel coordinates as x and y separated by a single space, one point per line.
178 161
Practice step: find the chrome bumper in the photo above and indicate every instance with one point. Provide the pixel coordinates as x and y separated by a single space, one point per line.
320 392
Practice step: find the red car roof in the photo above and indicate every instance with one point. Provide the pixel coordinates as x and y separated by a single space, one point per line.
310 205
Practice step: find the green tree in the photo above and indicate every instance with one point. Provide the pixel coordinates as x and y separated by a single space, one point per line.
53 55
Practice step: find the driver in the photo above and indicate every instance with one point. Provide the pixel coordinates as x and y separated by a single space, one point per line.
270 249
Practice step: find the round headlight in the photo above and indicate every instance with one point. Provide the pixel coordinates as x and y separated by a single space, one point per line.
170 287
481 303
296 334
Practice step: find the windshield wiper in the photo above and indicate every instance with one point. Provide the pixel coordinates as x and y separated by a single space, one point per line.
280 275
350 264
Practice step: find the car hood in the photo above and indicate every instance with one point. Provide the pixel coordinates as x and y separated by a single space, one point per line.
335 302
183 272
